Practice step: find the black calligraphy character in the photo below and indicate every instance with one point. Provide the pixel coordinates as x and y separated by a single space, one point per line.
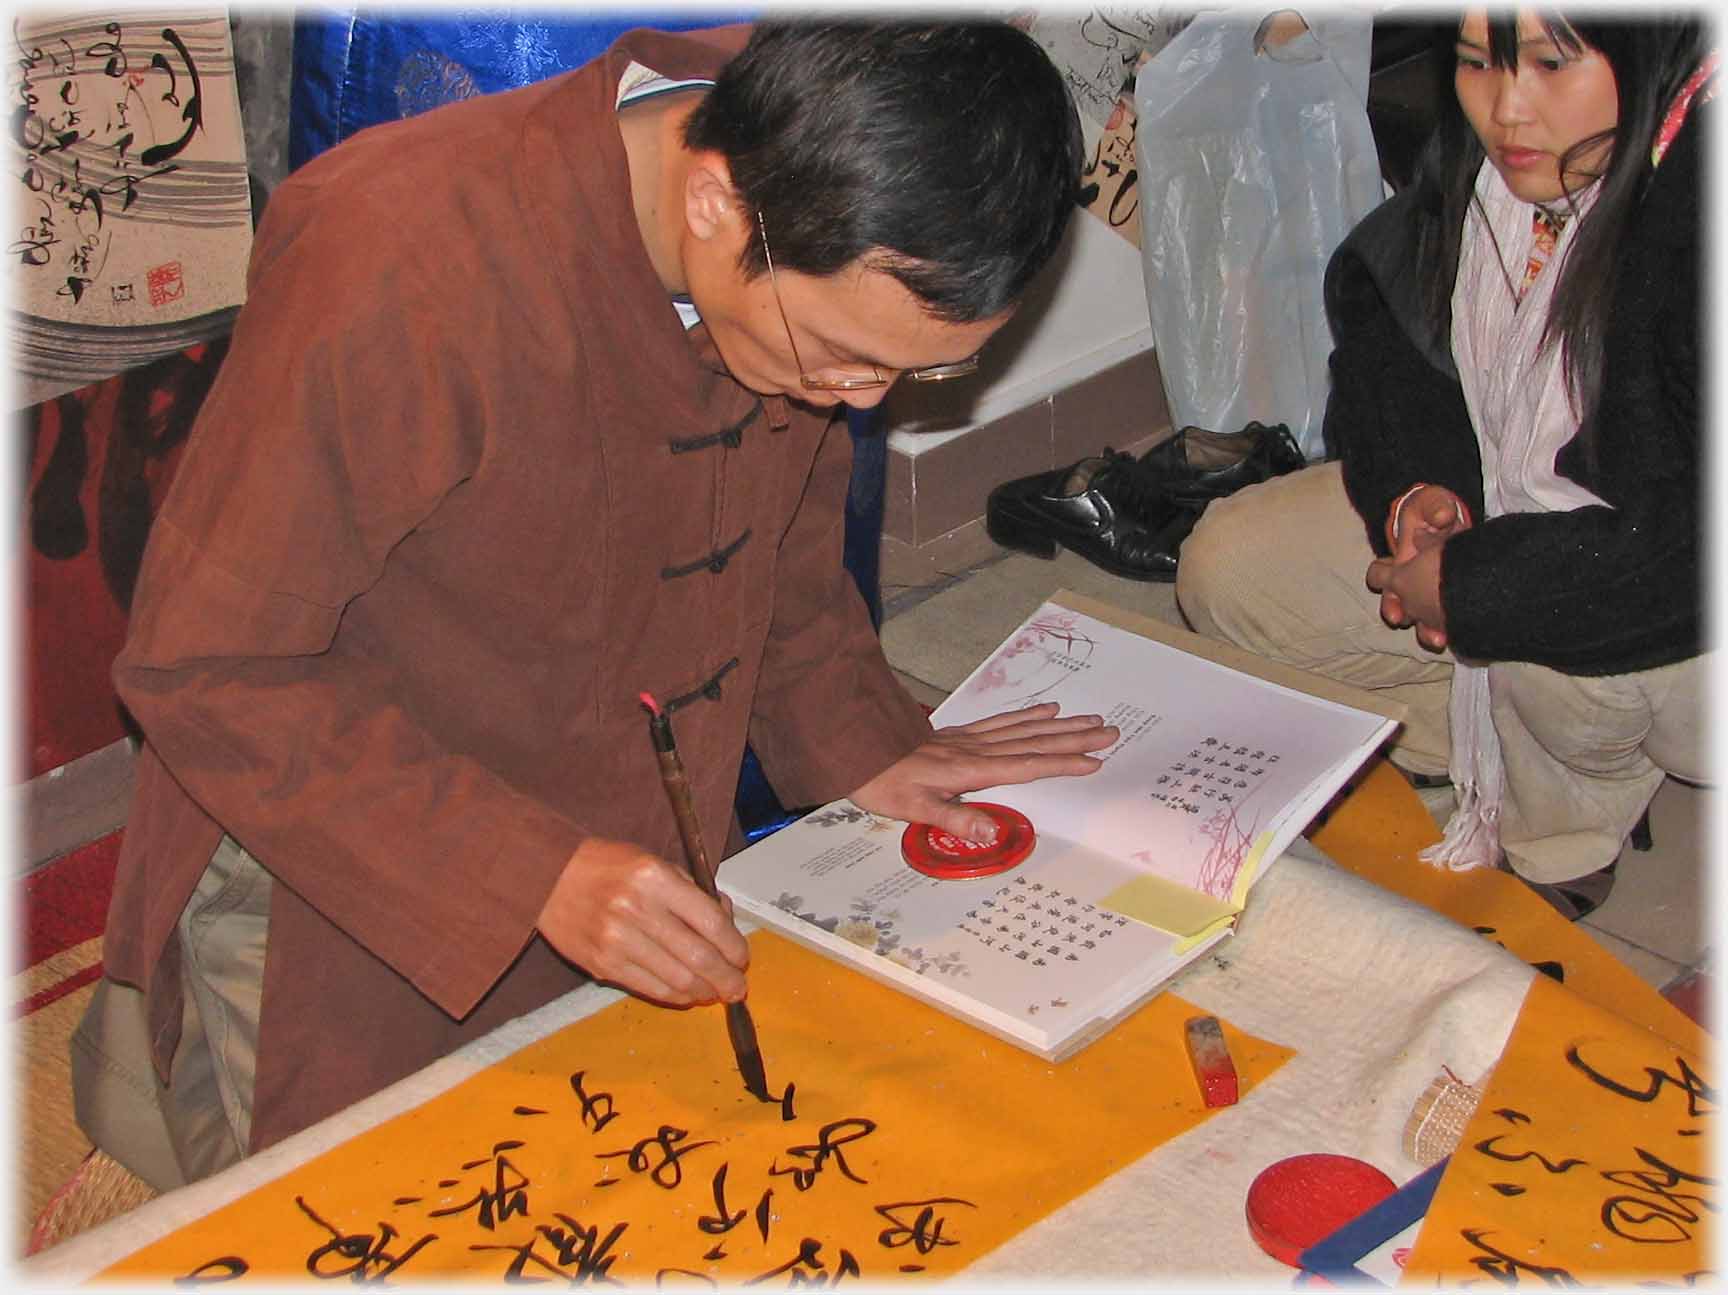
28 59
34 242
827 1145
1688 1081
193 112
720 1222
80 257
67 123
126 186
808 1258
924 1233
508 1194
579 1254
723 1223
226 1269
1487 1148
112 50
668 1172
367 1259
77 197
591 1113
1662 1221
1504 1268
52 135
582 1249
1555 971
1090 188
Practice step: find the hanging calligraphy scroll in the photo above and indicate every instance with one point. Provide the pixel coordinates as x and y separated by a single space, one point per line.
1587 1162
623 1149
132 214
1098 52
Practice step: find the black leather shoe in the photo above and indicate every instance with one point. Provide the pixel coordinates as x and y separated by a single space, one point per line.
1107 509
1196 466
1579 897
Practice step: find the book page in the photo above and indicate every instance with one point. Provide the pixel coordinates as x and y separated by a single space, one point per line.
1210 761
1028 952
1136 869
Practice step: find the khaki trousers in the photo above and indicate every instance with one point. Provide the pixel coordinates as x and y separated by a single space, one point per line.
1280 569
201 1120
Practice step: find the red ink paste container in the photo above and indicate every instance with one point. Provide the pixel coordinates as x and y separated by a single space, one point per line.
936 853
1301 1201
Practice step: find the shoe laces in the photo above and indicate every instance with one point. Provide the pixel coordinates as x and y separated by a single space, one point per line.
1130 484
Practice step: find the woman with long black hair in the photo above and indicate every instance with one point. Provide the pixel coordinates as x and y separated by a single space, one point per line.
1508 536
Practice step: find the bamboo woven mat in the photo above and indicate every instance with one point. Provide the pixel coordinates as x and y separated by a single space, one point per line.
62 1188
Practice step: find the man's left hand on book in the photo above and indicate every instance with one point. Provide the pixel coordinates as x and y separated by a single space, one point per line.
998 750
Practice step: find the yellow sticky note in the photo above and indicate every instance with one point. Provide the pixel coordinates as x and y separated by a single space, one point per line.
1588 1160
1186 913
1249 871
624 1148
1170 907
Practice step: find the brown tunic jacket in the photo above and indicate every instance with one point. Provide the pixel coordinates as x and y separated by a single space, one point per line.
464 488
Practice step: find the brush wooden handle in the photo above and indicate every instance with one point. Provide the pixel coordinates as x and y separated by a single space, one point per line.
684 810
740 1028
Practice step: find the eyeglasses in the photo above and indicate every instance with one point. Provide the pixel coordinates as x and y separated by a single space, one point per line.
841 379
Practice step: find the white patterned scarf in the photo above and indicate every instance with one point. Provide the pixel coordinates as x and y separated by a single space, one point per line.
1516 392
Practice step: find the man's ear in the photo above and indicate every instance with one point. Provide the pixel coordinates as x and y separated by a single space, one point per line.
712 207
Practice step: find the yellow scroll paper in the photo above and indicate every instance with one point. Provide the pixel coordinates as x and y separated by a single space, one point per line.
623 1149
1376 832
1587 1162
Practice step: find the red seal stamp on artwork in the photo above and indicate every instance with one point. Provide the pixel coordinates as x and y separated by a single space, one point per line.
165 283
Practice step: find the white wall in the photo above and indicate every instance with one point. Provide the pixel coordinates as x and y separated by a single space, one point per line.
1084 314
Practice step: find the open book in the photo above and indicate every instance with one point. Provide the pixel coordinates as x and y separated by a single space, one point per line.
1138 868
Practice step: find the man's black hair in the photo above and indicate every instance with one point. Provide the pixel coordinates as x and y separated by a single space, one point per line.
948 155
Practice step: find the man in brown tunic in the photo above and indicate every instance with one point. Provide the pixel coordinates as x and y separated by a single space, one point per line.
472 478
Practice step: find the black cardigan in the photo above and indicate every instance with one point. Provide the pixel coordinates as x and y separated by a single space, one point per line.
1593 591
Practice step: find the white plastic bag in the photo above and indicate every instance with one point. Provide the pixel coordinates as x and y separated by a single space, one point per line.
1253 167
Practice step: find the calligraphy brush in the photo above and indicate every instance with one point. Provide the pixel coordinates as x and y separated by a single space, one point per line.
739 1027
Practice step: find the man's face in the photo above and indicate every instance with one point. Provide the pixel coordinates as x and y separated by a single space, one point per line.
774 331
1529 115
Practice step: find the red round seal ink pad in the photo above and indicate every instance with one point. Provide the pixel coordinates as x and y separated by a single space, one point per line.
1303 1200
936 853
